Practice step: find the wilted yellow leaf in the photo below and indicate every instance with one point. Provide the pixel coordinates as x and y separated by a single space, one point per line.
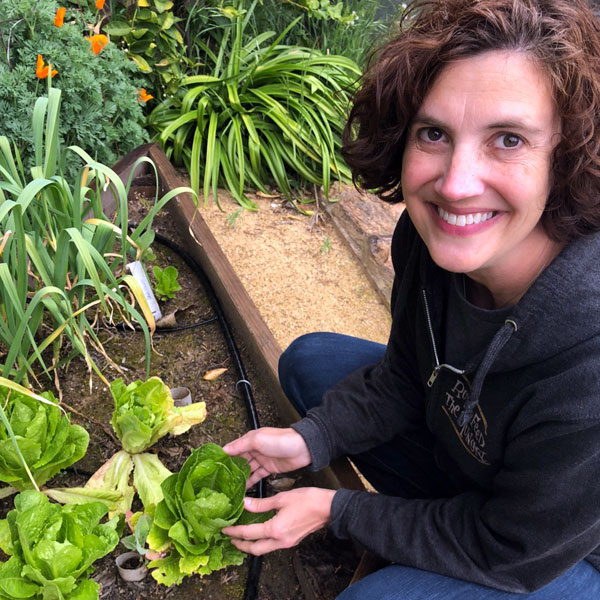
263 195
213 374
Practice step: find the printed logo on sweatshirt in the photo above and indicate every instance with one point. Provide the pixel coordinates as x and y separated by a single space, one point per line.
473 435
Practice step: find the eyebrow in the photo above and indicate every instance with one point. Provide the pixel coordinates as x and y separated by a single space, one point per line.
509 124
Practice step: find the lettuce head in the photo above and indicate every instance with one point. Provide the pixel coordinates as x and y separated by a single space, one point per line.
144 412
206 495
45 436
52 548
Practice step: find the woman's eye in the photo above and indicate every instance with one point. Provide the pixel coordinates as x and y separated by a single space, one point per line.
430 134
508 140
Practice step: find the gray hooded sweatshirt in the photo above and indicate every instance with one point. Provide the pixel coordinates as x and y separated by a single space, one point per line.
510 401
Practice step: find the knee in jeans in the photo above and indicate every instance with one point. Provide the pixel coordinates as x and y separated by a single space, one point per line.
294 358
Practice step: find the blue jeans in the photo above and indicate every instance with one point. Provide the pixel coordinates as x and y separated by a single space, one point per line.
404 467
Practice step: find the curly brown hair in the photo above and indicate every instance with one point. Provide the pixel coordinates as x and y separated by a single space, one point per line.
562 36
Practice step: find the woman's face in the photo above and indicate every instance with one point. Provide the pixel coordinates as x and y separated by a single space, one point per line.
476 168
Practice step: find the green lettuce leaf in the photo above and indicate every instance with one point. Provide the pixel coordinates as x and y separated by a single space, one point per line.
44 435
148 475
144 412
54 547
206 495
109 485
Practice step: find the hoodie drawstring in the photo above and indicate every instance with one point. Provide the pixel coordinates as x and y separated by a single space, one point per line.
495 347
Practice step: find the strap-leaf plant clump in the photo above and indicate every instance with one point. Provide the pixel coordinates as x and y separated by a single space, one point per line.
63 259
258 114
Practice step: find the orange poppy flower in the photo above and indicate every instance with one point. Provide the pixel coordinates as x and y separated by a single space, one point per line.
42 71
97 42
59 19
99 4
143 96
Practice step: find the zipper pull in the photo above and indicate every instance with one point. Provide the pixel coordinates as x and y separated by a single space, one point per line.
433 376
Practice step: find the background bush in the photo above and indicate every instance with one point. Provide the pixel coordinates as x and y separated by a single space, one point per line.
100 111
348 28
260 113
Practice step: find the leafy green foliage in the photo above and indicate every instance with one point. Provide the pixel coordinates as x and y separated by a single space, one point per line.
326 10
100 113
148 31
52 548
63 258
109 485
260 114
47 441
141 524
166 282
206 495
348 28
145 412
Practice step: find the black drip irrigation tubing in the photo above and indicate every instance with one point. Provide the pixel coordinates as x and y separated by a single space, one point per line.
243 385
124 327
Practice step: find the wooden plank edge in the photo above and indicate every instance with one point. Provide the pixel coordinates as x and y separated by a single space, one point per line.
123 168
235 301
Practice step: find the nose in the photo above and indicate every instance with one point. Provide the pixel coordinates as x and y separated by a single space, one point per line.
462 176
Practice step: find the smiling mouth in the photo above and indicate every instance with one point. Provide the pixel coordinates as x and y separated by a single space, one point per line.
463 220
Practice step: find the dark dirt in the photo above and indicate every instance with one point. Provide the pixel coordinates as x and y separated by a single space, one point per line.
319 568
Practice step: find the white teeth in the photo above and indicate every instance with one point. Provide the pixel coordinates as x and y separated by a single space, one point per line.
462 220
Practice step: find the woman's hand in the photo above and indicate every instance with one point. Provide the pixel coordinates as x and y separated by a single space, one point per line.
299 513
270 450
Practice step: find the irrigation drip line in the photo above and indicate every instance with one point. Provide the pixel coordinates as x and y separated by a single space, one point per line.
242 385
125 328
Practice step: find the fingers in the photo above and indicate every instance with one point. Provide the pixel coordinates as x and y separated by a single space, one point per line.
258 505
253 532
256 476
257 548
256 539
298 513
240 447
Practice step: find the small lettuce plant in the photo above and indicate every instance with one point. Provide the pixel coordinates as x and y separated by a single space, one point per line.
166 282
204 497
52 548
144 412
38 436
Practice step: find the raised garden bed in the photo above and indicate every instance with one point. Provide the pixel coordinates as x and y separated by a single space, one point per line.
321 566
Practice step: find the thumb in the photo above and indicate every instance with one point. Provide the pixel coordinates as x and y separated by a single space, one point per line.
259 505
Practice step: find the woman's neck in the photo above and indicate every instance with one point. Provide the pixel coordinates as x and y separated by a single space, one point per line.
494 290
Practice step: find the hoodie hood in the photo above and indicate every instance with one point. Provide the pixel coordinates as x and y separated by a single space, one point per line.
562 304
557 312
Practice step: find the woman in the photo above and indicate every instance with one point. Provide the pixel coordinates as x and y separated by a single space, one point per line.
479 423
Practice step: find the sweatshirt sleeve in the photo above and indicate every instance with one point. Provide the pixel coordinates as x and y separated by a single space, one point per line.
541 517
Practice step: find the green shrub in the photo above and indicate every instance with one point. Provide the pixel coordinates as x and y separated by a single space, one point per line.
349 28
259 114
100 111
148 31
